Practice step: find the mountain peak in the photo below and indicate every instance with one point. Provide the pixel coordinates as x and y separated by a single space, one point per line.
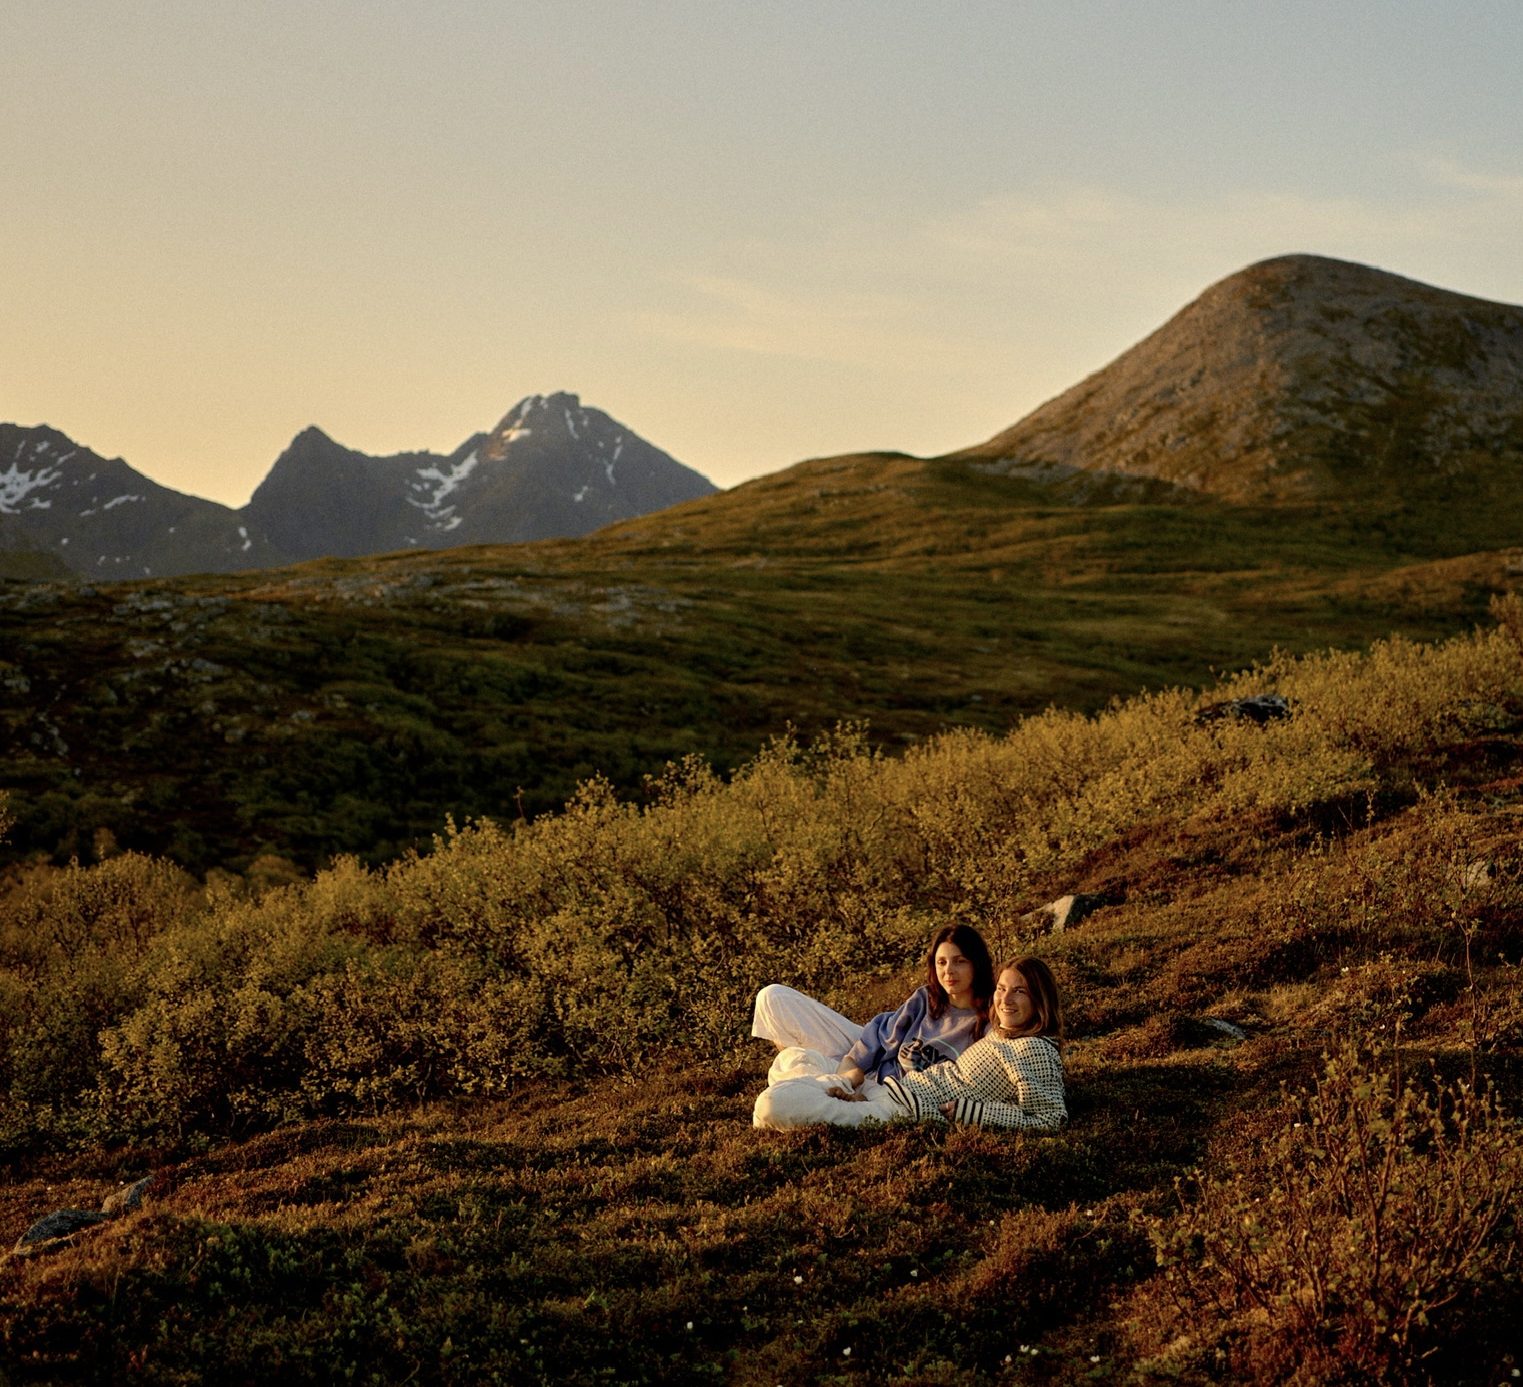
552 468
311 437
559 410
1300 375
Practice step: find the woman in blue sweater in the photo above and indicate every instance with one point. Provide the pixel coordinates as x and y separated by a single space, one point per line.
936 1023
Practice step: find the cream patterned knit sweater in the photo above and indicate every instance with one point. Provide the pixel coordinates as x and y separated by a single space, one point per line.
1011 1084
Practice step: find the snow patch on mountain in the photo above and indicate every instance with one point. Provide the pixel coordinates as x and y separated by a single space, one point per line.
435 483
16 484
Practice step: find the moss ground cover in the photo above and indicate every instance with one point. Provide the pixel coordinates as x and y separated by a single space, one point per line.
482 1113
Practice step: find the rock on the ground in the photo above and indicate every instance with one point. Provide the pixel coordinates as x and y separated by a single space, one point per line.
53 1229
1067 911
1233 1032
1259 708
125 1201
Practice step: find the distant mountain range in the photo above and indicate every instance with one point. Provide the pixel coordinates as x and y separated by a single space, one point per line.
553 468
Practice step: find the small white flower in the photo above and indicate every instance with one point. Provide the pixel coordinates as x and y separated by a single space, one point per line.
845 1353
798 1280
1094 1358
1007 1358
690 1324
914 1272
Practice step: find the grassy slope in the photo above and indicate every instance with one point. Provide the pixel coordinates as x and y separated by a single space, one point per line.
640 1231
349 706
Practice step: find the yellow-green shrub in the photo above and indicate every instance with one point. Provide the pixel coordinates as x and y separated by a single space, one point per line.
589 939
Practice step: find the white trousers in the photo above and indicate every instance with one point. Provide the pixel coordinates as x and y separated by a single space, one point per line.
786 1017
813 1041
799 1089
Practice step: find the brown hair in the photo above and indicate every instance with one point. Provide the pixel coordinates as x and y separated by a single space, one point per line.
1047 1010
971 943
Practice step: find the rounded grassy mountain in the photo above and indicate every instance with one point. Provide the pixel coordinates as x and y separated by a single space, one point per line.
1299 377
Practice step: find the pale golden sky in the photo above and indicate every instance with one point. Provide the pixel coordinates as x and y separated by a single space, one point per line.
754 232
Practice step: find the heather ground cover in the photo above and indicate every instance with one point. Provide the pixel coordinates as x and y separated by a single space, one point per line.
483 1113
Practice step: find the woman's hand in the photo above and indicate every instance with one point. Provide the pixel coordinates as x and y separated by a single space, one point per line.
852 1075
947 1110
847 1096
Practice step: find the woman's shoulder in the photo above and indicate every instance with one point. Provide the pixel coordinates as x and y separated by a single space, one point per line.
1029 1046
915 1004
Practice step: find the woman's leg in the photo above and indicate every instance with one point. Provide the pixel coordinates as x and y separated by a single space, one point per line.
786 1017
797 1062
806 1101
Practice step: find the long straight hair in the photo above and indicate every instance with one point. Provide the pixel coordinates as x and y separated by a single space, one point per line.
1046 1008
972 947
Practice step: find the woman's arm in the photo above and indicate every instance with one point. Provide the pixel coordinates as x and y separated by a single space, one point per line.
884 1034
1025 1094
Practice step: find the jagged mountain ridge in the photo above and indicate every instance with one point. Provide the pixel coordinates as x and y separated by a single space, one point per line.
1299 377
103 519
551 469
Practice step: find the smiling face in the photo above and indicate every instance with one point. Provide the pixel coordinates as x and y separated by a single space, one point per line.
1012 1001
954 971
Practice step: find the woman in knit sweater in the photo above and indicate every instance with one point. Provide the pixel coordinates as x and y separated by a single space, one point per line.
1011 1079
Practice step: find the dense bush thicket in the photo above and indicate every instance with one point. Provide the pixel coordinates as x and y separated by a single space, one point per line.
134 1001
1383 1202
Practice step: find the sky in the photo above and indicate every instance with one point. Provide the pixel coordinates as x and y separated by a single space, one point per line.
753 231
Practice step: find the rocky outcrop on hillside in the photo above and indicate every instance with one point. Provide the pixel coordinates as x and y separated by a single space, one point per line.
1299 377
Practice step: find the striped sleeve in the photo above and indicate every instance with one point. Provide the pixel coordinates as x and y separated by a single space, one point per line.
911 1102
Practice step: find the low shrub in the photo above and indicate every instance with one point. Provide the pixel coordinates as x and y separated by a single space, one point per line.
1380 1212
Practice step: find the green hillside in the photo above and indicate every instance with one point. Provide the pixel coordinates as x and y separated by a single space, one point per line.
354 706
483 1115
